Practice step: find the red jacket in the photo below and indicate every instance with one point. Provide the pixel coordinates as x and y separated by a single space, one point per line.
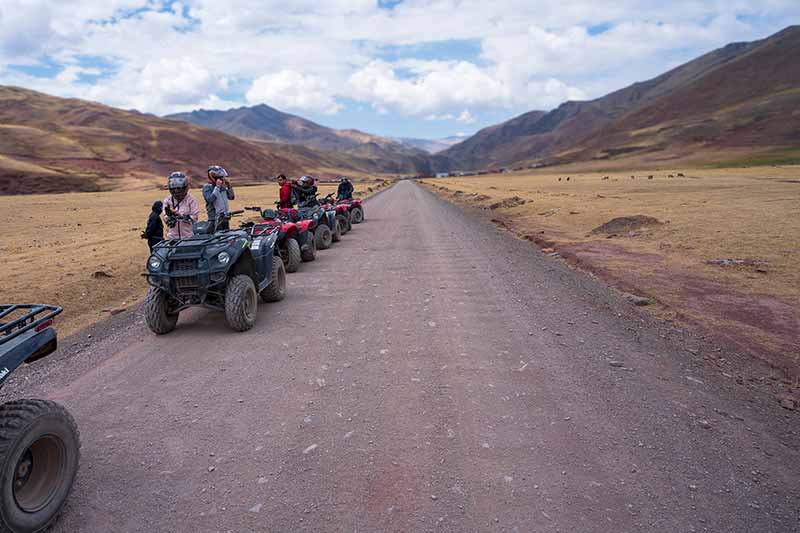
286 195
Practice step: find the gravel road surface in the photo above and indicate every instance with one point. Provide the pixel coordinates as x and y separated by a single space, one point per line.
429 372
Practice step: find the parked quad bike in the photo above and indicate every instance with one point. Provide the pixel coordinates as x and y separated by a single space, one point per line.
355 208
323 224
225 271
295 241
342 212
39 441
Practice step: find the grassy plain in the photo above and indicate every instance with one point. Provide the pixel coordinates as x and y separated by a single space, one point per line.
751 215
53 244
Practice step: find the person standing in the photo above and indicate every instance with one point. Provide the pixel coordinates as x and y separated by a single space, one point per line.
216 192
181 209
285 200
154 231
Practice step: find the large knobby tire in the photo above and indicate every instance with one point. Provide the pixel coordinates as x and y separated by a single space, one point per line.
241 302
323 237
39 455
157 313
344 224
310 253
292 257
336 235
276 290
357 215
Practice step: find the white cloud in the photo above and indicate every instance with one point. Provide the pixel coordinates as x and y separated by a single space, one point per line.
292 90
316 57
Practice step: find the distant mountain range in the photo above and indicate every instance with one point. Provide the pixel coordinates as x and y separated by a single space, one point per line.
358 149
432 146
738 102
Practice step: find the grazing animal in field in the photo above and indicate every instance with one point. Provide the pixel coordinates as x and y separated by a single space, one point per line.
605 177
567 178
649 177
559 179
633 177
670 176
680 175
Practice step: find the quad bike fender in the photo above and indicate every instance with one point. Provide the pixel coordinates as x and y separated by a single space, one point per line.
305 225
28 347
289 231
261 252
245 264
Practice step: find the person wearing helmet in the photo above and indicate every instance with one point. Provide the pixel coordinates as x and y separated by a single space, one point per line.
345 190
306 192
216 192
286 196
180 208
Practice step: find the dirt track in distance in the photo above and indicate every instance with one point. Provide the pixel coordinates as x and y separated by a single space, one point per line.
428 373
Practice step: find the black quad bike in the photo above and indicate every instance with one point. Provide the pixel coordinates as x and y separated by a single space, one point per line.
39 441
296 241
225 271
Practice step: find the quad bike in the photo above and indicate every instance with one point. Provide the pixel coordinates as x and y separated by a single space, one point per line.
355 208
39 441
323 224
295 241
342 212
225 271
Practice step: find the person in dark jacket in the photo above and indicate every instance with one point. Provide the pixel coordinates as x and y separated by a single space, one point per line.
345 190
306 192
154 232
286 200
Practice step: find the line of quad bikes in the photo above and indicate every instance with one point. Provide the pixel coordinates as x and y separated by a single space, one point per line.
225 270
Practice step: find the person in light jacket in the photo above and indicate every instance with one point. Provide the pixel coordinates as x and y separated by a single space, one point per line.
180 208
216 192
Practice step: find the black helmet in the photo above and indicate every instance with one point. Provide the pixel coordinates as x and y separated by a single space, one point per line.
217 172
178 185
343 179
306 181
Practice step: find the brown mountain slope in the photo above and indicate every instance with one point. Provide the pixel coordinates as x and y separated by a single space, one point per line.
742 95
364 151
50 144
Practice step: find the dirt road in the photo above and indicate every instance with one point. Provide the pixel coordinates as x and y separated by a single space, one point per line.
427 373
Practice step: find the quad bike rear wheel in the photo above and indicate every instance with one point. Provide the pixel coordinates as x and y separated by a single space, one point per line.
310 253
336 234
158 312
291 255
357 215
276 290
241 302
323 237
39 455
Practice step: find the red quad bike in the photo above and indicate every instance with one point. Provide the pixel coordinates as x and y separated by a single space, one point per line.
296 241
322 223
355 208
342 213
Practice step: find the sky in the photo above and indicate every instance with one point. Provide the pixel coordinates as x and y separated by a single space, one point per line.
400 68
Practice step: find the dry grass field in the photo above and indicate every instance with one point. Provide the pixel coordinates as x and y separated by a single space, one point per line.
83 251
724 252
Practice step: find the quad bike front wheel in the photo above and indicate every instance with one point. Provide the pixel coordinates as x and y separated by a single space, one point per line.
291 255
357 215
39 455
336 234
158 312
276 290
310 253
241 302
344 224
323 237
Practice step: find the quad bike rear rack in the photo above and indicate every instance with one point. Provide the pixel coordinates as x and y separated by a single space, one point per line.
34 316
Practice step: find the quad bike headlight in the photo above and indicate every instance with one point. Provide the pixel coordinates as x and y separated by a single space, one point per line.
154 263
224 258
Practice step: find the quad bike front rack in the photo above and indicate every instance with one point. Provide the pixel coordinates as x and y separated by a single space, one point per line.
33 316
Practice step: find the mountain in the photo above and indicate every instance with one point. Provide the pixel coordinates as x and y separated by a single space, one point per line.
737 101
432 146
369 153
50 144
